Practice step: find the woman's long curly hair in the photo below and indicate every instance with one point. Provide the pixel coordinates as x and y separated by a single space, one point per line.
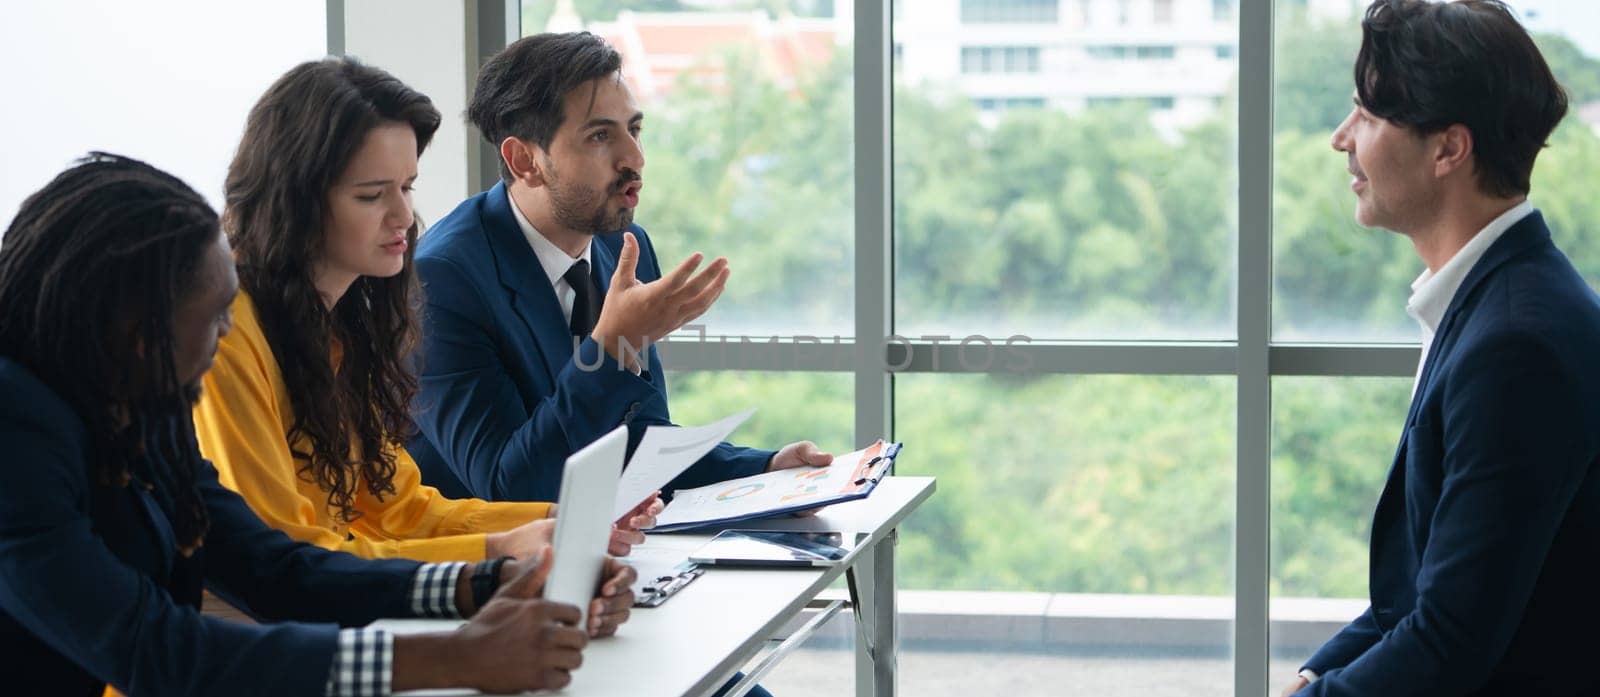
297 142
92 271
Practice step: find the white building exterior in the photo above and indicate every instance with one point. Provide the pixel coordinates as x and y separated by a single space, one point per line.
1177 56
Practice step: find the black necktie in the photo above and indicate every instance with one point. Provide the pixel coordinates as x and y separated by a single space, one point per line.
585 300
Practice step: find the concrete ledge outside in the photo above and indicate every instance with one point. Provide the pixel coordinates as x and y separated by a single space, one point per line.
1098 622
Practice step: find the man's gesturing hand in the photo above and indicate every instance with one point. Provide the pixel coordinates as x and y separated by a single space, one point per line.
641 313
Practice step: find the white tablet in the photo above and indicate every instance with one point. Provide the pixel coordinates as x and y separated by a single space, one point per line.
583 520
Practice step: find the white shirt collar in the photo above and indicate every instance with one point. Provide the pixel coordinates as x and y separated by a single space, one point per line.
554 259
1432 292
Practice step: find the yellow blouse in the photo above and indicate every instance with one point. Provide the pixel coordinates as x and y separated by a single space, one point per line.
242 421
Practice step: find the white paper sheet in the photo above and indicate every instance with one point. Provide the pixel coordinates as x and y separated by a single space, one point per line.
664 453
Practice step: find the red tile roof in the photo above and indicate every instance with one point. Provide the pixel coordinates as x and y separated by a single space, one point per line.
666 45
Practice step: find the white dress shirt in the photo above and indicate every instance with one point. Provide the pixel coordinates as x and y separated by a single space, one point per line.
1432 292
555 261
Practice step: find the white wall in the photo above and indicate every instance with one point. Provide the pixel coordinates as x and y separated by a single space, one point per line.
425 44
167 81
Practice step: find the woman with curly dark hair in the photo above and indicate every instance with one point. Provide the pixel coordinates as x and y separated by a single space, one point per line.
305 412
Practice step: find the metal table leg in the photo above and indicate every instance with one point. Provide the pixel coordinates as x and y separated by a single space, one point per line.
872 592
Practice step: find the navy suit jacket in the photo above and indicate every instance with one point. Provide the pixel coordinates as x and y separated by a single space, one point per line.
93 590
1485 567
505 394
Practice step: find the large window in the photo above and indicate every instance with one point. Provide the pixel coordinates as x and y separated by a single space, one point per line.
1104 214
1045 486
1160 390
747 144
169 83
1333 439
1060 223
1119 452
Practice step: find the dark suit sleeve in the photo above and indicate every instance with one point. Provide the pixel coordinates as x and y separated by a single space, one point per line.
471 410
62 584
1344 647
1514 456
277 578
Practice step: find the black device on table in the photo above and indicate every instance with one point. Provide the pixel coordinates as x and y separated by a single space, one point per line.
776 548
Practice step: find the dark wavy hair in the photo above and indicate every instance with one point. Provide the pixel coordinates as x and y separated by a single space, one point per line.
297 141
92 270
519 91
1427 65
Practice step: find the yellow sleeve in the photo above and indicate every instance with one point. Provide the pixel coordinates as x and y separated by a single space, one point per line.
242 427
415 511
239 423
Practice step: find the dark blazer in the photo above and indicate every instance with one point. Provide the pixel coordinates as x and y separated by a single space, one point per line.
93 590
504 398
1485 568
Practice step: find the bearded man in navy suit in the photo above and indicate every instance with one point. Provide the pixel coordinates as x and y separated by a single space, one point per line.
542 294
1485 552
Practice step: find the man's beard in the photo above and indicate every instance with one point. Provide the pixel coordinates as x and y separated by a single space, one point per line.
586 210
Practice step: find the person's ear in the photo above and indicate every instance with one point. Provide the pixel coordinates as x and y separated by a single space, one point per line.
1452 151
522 159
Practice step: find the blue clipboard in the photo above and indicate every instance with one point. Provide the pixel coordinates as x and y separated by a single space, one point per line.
876 469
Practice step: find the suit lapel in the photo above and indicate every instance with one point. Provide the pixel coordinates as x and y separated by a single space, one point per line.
156 520
1525 234
532 297
1383 518
605 264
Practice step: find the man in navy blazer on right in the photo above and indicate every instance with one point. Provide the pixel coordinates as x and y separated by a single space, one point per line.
1485 559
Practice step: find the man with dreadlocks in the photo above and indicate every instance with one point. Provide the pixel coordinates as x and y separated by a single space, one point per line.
115 284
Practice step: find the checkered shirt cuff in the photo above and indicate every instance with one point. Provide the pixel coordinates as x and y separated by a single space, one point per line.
363 665
433 589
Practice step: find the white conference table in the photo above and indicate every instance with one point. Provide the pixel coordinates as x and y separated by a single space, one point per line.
695 641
